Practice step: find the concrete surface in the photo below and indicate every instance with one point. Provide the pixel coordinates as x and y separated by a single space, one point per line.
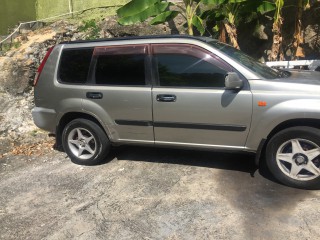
146 193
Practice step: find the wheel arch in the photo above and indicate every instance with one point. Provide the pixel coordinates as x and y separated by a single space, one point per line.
70 116
299 122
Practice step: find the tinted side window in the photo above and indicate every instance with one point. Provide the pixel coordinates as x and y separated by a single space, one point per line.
74 65
115 69
181 70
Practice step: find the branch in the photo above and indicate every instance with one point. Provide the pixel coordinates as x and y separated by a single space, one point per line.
88 9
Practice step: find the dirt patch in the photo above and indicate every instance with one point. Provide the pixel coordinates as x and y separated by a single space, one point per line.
31 149
44 35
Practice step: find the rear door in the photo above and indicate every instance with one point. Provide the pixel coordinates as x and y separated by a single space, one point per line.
119 92
190 103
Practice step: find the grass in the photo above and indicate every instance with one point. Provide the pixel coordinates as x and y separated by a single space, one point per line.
91 28
33 133
98 14
16 44
7 46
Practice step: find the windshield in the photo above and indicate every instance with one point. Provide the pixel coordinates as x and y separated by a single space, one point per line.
249 62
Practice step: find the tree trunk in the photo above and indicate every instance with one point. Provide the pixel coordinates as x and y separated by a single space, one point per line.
298 39
276 50
189 16
317 37
190 27
232 33
222 33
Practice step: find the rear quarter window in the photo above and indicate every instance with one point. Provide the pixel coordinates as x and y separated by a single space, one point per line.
74 65
120 70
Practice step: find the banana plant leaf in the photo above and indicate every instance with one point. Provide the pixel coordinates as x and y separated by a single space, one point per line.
164 17
134 7
198 23
213 2
152 10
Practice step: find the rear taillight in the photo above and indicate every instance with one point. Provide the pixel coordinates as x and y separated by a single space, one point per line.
42 66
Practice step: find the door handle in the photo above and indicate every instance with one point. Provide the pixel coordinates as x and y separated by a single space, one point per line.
94 95
166 98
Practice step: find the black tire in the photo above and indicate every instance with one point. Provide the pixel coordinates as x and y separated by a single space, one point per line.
288 142
86 137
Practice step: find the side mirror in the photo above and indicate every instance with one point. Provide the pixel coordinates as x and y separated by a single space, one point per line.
233 81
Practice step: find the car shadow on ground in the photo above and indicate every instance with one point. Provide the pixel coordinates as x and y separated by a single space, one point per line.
240 167
234 161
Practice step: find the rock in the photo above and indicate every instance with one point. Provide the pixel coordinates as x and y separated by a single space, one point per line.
111 26
288 53
24 31
14 76
77 36
16 121
259 32
10 53
24 37
29 50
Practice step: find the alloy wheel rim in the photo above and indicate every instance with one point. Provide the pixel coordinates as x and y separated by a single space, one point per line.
299 159
82 143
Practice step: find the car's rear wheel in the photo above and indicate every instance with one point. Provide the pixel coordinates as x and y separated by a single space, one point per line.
293 157
85 142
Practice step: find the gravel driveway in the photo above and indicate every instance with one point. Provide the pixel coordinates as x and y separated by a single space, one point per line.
147 193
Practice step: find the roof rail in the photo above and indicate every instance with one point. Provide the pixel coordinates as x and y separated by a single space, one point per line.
204 39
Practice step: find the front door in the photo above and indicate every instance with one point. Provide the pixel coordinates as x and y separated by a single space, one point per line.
190 104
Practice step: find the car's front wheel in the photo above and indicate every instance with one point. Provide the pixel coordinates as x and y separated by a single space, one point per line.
85 142
293 157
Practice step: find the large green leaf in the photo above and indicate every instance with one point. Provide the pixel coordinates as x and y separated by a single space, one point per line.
213 2
134 7
265 7
239 1
164 17
212 15
198 23
142 16
207 14
257 6
216 28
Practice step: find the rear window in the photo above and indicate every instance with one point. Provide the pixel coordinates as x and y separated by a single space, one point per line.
74 65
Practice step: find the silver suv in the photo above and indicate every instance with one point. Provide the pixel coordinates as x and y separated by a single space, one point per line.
179 91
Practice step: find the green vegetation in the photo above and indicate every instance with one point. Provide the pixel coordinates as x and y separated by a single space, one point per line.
140 10
33 133
90 27
7 46
16 44
224 12
225 15
220 18
228 14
